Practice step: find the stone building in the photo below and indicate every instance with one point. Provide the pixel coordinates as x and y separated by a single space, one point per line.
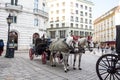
67 16
29 21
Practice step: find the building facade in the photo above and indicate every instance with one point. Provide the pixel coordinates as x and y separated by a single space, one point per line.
105 26
29 21
70 16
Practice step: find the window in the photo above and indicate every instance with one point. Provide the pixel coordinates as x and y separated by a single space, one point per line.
81 33
35 4
81 6
63 3
63 18
86 21
57 4
72 19
76 33
51 12
51 19
14 19
76 25
90 9
51 5
57 25
72 11
81 13
90 16
63 10
63 24
71 3
71 24
57 12
85 13
81 26
62 33
77 5
86 33
90 27
76 11
57 19
76 19
43 4
81 20
86 27
52 34
85 7
51 25
14 2
90 22
35 22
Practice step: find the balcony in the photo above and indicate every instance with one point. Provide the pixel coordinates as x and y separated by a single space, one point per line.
9 6
40 12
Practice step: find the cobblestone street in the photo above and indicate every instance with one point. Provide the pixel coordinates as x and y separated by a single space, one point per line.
22 68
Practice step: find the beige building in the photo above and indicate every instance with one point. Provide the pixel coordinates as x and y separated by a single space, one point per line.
29 21
67 16
105 26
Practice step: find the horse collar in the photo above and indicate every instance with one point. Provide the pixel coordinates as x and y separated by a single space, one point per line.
64 41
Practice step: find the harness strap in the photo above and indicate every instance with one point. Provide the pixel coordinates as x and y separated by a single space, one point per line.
64 41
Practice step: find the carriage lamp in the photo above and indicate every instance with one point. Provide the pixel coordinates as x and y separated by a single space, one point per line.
9 21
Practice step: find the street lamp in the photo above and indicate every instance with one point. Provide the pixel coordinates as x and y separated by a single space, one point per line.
9 21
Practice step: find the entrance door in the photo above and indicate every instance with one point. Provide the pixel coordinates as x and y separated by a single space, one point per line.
14 39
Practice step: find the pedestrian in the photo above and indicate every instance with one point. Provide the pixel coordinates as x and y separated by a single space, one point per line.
102 48
1 46
108 49
48 53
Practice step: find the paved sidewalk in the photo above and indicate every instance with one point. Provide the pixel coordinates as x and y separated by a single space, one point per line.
21 68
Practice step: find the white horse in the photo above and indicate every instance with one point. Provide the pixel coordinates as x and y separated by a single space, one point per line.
82 43
63 47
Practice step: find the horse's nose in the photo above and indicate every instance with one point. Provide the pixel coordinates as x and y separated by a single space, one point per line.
76 50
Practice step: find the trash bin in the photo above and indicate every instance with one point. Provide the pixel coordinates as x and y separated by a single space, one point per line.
11 52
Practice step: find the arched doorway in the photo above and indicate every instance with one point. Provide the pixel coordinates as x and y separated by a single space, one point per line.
13 39
35 35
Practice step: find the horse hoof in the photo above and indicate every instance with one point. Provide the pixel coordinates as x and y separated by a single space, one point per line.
74 68
65 71
67 64
80 68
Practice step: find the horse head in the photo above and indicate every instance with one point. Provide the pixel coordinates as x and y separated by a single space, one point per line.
72 42
86 41
90 43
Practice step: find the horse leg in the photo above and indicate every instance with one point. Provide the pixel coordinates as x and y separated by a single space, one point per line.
54 59
65 61
74 61
51 59
80 55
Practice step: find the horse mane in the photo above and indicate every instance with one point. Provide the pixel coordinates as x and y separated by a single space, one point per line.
82 41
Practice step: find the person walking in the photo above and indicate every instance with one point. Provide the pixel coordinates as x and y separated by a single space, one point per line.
1 46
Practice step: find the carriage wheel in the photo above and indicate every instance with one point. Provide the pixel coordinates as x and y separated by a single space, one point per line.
107 67
44 58
31 54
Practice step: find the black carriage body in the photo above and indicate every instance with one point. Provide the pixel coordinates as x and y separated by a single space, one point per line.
118 39
41 45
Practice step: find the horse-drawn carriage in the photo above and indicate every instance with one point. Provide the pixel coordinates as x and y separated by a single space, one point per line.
108 65
40 48
58 47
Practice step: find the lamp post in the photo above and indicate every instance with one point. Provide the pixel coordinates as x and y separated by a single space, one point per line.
9 21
